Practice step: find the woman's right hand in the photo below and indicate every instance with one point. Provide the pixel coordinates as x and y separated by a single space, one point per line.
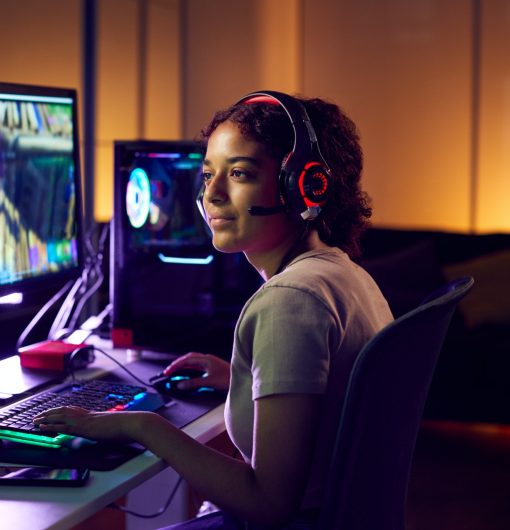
217 371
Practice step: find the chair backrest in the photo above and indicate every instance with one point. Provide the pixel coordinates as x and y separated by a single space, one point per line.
388 386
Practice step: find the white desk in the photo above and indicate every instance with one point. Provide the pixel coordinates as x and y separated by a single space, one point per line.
40 508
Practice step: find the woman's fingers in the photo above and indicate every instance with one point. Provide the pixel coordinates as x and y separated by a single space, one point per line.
59 413
195 360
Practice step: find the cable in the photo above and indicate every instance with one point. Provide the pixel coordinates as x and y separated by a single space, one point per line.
79 293
30 326
81 303
93 322
65 309
91 279
118 363
152 515
94 270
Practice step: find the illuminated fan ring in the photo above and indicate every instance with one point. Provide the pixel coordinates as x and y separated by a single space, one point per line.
138 198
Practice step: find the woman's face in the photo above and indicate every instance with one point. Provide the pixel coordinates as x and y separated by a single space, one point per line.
239 174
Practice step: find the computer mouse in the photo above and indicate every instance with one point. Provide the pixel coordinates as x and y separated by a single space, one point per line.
167 384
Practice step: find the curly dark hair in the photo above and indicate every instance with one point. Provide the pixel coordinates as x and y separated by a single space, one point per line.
347 210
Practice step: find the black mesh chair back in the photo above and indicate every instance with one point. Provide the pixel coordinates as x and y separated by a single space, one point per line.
388 386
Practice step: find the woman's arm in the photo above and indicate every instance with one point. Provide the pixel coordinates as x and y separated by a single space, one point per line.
268 489
265 491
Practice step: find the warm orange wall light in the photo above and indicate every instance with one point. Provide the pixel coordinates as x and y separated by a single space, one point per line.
493 172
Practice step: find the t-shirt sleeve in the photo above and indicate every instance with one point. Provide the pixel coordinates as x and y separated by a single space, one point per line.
293 333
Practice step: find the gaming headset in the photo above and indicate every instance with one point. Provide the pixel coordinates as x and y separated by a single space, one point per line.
305 178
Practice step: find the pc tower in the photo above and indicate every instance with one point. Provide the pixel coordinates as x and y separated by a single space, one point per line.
170 289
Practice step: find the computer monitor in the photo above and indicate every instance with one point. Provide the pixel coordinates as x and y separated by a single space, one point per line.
40 199
170 289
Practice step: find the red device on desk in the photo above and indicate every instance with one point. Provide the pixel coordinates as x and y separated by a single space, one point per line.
55 355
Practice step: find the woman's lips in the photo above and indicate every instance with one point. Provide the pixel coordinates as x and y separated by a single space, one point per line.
219 222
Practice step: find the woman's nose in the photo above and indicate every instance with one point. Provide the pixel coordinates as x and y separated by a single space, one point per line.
215 189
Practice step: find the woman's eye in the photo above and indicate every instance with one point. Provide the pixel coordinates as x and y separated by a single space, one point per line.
207 176
239 174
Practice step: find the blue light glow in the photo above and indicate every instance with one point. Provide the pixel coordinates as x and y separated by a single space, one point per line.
186 261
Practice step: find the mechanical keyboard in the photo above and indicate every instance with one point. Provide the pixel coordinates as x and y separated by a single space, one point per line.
95 395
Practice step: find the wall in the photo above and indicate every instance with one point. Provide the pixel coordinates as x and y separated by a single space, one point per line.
234 47
406 82
40 42
492 187
428 83
138 81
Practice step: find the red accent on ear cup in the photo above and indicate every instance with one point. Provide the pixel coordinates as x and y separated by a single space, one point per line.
313 184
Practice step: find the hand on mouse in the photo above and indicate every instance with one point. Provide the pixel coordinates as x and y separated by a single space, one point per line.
216 371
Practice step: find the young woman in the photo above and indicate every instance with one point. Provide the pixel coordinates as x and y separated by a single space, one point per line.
297 336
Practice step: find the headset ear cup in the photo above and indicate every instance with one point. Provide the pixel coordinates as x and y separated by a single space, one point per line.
305 180
314 184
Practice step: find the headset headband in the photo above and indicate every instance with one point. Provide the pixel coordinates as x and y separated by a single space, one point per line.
304 133
305 175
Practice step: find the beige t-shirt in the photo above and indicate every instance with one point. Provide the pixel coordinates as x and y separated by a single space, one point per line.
300 333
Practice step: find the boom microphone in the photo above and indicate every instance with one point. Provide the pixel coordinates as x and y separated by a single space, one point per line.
262 210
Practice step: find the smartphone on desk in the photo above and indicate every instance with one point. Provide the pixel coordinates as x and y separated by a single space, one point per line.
17 475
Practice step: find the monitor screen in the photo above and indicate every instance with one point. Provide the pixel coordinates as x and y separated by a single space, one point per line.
40 201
